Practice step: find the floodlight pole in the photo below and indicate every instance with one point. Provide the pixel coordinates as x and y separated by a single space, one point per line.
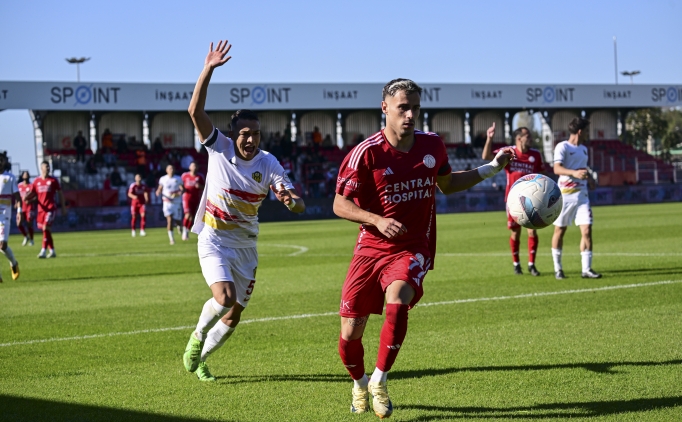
78 62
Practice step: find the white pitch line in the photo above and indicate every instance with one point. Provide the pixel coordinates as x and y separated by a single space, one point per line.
301 249
301 316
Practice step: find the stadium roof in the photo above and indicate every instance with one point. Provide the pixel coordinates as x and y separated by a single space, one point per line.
112 96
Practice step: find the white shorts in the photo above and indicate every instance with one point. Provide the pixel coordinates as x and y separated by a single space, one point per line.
236 265
4 228
172 209
575 209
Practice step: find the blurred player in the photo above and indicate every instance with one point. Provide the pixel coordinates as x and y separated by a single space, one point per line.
170 188
526 161
194 185
9 191
238 179
45 188
139 195
387 184
27 215
570 164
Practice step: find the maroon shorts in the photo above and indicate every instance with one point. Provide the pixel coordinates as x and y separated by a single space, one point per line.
137 209
45 219
190 204
511 224
29 214
368 278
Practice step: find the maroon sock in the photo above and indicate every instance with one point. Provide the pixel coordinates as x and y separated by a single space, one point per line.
392 335
22 229
132 222
45 233
532 248
142 223
50 243
353 357
514 245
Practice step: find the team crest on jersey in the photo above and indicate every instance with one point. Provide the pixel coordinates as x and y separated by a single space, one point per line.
257 176
531 159
429 161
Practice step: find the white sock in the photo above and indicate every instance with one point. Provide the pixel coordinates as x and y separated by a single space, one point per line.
170 235
210 314
10 256
184 231
516 264
586 258
378 376
362 382
556 256
215 338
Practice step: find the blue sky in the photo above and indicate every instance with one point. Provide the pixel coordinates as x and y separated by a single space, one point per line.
484 41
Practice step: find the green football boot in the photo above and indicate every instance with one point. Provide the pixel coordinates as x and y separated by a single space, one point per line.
203 373
192 353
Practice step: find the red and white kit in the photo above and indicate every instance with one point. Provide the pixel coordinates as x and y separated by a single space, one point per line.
27 208
46 189
137 205
194 186
398 185
523 164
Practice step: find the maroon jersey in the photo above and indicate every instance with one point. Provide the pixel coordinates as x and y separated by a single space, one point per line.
46 189
193 184
523 164
138 191
24 189
398 185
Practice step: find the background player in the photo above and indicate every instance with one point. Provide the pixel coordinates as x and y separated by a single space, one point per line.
139 195
9 191
44 189
170 188
387 184
194 185
26 216
570 163
526 161
239 178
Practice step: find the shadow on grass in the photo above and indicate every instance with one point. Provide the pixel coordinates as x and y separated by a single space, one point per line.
545 411
647 271
599 367
21 409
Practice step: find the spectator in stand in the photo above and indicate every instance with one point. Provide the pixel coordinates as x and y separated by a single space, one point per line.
157 146
275 147
91 166
185 161
121 144
288 168
109 157
317 138
106 185
107 140
116 179
141 160
80 144
327 142
286 143
301 161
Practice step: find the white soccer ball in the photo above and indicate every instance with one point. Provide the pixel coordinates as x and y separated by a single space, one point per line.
534 201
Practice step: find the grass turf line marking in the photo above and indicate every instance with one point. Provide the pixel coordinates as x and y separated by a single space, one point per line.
301 316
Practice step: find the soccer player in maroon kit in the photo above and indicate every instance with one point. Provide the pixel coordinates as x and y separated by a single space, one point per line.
387 184
44 188
26 216
527 160
194 185
139 195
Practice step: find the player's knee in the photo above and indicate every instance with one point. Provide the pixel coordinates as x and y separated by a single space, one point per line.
3 245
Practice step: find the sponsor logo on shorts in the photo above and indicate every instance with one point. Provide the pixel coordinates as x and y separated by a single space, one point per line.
257 176
345 304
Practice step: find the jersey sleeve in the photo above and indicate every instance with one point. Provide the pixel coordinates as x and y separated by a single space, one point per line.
278 176
130 188
352 171
559 153
217 142
443 161
539 167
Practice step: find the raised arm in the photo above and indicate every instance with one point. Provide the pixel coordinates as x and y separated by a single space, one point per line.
215 58
488 147
463 180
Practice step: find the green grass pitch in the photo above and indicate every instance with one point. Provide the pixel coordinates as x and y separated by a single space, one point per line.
98 333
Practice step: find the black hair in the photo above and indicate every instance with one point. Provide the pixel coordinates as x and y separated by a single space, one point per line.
243 114
578 123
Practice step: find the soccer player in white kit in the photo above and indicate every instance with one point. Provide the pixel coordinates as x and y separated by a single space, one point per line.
170 189
9 191
570 164
238 179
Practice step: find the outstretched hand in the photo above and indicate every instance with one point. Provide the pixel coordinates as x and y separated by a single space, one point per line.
491 131
216 58
505 155
283 195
